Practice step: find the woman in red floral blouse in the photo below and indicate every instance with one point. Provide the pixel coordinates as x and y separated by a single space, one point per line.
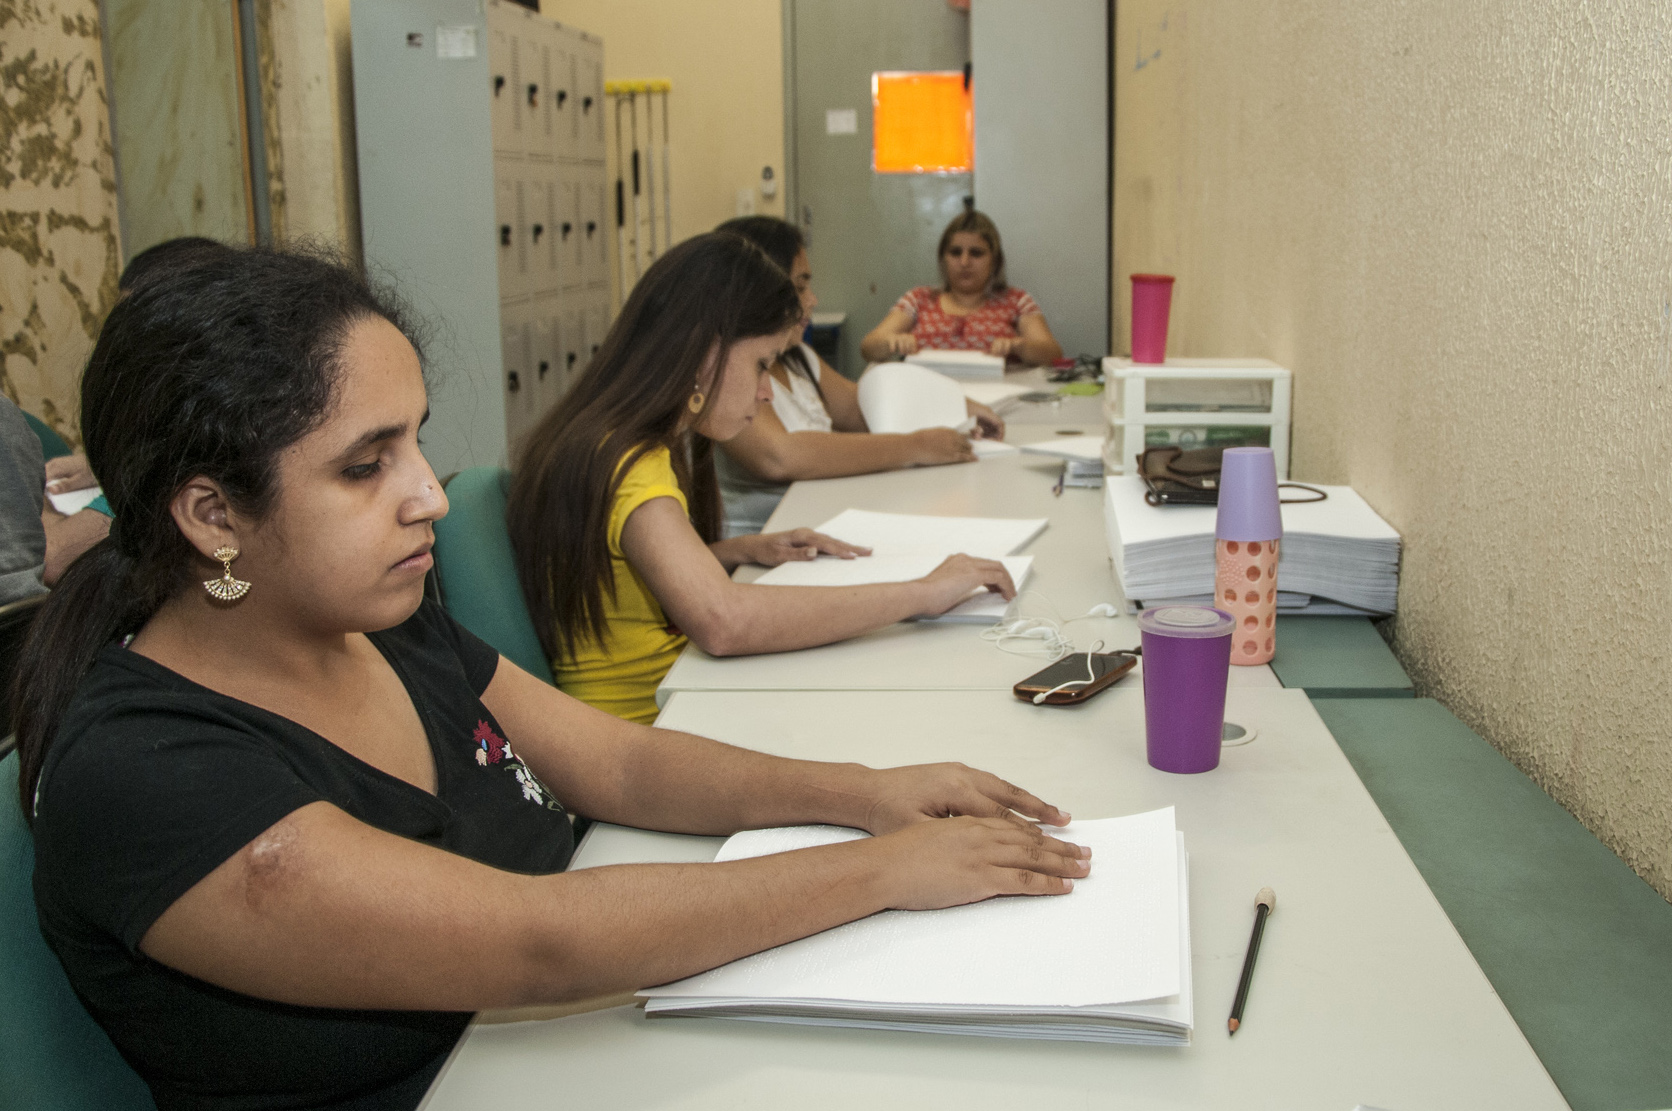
973 311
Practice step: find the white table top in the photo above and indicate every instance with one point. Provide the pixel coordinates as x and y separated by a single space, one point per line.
1071 573
1364 992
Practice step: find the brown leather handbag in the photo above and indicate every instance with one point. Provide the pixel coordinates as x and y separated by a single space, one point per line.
1190 476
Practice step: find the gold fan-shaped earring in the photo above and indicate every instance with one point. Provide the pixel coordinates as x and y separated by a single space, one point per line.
226 588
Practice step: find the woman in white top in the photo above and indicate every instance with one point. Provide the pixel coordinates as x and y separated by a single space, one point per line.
812 428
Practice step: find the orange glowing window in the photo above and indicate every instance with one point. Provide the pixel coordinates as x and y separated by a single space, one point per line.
921 123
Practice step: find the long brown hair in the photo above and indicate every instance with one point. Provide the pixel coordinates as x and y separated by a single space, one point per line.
692 305
981 224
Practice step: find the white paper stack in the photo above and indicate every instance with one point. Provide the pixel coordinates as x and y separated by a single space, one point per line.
906 546
1109 962
960 364
1082 458
1337 555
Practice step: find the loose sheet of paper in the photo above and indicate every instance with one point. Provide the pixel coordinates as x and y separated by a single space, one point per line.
1115 939
75 501
894 534
830 571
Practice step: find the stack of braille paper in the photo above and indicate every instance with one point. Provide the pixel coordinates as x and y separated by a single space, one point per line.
1337 556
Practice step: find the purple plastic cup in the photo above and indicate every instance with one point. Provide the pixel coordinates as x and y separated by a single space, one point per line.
1187 661
1248 505
1152 302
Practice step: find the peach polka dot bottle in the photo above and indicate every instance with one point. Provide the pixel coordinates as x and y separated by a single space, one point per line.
1248 535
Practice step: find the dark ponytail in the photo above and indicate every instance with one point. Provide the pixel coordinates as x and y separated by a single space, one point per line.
210 370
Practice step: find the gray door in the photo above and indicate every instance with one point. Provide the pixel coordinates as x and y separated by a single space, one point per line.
872 235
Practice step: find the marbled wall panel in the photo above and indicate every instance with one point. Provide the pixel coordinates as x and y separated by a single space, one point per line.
59 245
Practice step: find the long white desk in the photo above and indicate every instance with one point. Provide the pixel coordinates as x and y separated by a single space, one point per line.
1071 573
1364 992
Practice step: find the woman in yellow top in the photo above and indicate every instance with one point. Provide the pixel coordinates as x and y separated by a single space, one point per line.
614 509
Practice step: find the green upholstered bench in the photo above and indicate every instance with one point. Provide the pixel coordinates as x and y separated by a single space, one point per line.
1337 657
1577 945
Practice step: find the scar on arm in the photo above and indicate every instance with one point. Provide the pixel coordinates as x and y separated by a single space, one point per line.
270 860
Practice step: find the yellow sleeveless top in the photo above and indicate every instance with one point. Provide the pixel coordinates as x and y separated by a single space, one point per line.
620 675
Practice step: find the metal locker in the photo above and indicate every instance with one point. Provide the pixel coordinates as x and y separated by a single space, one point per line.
566 108
596 263
500 52
597 320
537 98
544 357
574 340
575 244
524 235
547 235
517 379
590 77
597 230
505 231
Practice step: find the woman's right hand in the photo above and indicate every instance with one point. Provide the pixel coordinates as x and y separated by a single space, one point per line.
947 862
902 343
961 575
937 446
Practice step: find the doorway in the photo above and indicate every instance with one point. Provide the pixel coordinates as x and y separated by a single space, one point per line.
871 236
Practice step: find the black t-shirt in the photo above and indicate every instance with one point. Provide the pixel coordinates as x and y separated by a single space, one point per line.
154 781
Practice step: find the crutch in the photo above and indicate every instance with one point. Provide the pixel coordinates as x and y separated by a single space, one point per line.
633 90
612 89
650 164
664 87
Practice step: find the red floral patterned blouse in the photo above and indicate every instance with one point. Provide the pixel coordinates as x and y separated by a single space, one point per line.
938 329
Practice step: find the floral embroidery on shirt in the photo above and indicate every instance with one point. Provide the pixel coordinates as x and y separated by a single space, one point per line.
491 748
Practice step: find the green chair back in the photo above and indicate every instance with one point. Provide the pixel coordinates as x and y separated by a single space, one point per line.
53 1056
52 444
477 572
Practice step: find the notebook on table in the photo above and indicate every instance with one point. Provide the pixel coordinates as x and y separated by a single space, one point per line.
1109 962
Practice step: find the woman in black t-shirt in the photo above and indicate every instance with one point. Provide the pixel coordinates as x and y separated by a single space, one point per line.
293 824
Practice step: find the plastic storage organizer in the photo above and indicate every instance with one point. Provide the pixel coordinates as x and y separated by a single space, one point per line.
1195 403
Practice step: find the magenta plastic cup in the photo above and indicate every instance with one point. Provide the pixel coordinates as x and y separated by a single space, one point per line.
1152 301
1187 660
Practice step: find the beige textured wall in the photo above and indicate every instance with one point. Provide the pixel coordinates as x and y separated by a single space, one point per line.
1454 223
59 249
726 61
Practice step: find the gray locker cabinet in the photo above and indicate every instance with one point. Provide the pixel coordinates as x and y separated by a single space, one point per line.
472 117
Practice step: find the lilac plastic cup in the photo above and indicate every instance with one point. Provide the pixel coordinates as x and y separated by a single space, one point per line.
1248 505
1187 661
1152 301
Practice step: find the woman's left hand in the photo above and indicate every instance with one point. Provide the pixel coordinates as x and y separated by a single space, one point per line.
903 796
769 549
1006 346
988 424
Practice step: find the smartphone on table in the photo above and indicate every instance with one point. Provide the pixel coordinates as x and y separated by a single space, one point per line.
1104 668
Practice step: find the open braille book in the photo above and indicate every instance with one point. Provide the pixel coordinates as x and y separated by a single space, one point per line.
1109 962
